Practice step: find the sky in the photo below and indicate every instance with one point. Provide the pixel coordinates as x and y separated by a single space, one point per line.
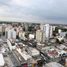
44 11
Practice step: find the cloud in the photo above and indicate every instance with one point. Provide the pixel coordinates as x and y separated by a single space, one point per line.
3 9
24 3
30 10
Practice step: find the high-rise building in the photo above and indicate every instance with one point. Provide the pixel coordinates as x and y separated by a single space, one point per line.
51 32
26 26
11 34
39 35
0 30
42 27
22 35
44 33
47 31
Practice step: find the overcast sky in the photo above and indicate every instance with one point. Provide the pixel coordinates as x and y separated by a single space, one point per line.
49 11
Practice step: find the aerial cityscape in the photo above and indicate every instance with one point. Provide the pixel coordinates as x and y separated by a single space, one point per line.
33 33
33 45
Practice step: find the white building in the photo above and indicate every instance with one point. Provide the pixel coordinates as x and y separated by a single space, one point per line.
51 31
24 54
31 36
2 62
53 64
47 32
11 47
59 31
10 33
33 52
63 34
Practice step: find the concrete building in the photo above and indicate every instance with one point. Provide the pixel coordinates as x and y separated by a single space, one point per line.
51 31
31 36
9 43
26 25
47 31
53 64
2 62
59 31
33 52
0 30
10 33
22 35
39 35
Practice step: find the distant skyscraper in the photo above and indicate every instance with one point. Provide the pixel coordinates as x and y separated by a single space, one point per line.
47 31
39 35
51 31
11 34
44 33
26 26
0 30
